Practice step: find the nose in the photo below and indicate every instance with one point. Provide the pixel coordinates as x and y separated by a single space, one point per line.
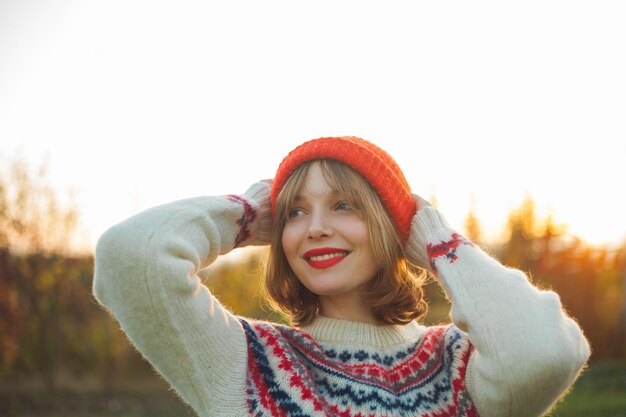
319 226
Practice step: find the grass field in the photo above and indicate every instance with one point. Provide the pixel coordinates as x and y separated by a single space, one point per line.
600 392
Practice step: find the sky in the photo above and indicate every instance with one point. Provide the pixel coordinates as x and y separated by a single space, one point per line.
136 103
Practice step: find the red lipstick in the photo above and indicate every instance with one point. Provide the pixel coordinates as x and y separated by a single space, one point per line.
321 258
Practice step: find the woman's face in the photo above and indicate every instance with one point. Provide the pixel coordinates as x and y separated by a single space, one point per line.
326 243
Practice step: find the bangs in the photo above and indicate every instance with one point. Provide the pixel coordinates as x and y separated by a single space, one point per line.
342 179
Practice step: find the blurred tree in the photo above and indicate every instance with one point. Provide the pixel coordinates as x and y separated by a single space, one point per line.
34 233
473 229
11 314
32 218
619 346
550 238
518 249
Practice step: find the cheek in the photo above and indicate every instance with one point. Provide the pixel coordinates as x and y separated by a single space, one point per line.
357 230
290 239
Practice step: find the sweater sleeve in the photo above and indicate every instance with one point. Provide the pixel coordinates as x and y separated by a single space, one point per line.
146 275
528 352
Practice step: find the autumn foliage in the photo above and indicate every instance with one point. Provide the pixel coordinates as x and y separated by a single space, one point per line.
53 335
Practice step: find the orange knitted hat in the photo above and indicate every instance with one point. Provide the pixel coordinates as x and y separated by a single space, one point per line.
373 163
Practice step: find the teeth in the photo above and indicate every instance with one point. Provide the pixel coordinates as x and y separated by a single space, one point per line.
326 257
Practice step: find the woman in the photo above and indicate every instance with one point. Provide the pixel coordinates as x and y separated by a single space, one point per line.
348 246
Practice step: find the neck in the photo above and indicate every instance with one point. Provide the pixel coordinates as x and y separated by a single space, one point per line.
347 308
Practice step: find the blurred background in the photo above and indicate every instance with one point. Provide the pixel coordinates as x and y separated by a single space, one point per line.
508 117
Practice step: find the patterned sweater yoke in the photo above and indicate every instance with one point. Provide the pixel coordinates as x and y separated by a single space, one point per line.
418 372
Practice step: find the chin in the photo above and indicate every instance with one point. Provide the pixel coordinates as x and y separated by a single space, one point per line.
327 291
335 292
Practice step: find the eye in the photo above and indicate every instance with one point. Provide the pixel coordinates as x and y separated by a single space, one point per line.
343 205
294 212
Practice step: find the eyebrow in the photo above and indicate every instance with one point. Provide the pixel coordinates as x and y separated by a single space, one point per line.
333 193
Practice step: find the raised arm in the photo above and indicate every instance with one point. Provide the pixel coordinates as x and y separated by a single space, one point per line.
146 275
527 350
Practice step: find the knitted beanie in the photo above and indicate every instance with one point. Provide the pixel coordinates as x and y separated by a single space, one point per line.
373 163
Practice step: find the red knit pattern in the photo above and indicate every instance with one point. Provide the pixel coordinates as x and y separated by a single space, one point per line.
290 374
446 249
373 163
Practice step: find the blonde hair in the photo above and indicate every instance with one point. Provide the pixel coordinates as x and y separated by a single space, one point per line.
395 293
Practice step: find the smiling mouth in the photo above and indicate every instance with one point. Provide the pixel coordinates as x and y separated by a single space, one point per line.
326 256
326 260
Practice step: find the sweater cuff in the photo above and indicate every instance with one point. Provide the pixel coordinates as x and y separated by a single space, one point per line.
259 216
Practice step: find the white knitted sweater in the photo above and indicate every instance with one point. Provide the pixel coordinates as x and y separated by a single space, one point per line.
511 350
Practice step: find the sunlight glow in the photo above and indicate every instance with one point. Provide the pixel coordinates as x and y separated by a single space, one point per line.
140 102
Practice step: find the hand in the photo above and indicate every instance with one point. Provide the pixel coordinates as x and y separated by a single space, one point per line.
416 247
